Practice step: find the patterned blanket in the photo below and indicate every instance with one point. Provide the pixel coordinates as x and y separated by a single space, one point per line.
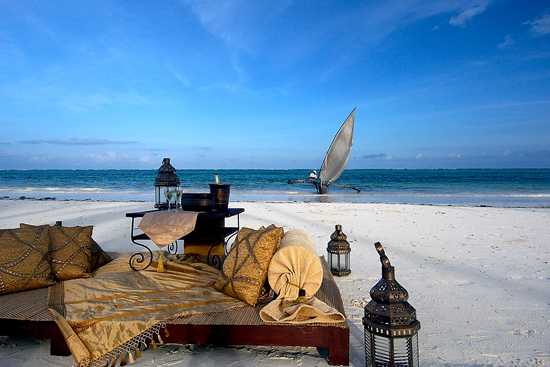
114 315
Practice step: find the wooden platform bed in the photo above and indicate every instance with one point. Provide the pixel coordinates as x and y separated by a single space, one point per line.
26 314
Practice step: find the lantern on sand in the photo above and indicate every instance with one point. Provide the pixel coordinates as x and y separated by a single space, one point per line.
338 251
391 328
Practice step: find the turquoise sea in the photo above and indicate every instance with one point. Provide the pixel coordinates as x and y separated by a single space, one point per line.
471 187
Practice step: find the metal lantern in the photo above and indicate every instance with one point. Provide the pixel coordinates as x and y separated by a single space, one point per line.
338 251
166 181
391 328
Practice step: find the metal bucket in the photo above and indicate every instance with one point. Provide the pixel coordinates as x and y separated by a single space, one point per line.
220 196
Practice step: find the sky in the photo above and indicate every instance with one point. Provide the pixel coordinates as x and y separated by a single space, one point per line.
266 84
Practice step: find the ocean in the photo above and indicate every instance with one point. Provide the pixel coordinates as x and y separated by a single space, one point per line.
467 187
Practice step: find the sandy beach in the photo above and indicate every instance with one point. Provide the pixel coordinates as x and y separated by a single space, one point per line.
478 278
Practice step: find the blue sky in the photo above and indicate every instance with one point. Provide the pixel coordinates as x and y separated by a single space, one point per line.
265 84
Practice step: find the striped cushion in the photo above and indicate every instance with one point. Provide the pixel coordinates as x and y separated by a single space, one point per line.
24 260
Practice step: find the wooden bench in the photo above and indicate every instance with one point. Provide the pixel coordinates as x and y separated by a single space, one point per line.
26 314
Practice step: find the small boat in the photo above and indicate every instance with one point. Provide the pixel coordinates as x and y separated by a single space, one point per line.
335 160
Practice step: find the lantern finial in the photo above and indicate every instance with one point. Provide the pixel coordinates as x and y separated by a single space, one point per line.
388 271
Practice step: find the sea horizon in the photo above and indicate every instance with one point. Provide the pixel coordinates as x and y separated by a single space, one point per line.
499 187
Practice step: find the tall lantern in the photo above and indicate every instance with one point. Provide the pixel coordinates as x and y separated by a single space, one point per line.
166 181
338 251
391 328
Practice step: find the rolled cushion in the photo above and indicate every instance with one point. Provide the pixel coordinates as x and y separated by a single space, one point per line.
70 250
296 274
295 266
245 268
24 260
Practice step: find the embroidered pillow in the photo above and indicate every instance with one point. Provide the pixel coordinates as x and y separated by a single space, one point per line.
97 259
24 260
71 252
245 269
98 256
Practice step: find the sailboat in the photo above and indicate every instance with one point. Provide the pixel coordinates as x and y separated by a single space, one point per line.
335 160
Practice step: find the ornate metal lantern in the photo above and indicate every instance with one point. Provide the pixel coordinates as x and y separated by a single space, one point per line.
166 182
338 251
391 328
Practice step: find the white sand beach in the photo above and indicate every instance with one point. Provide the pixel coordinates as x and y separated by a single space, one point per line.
478 277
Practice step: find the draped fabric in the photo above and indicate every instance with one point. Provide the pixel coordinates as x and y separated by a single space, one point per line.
296 274
114 314
166 226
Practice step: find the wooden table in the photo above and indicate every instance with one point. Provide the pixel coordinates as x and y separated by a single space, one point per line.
210 229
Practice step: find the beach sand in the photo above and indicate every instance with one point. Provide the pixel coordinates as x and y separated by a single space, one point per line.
478 277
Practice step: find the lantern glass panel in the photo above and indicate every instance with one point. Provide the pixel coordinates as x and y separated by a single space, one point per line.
334 261
387 351
160 195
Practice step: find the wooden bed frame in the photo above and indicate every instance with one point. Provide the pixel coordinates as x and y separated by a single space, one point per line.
26 314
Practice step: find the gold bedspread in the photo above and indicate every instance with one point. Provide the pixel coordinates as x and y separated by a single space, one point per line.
114 314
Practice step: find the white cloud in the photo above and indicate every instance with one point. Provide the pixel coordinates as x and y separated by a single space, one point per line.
507 42
468 13
76 141
236 22
541 25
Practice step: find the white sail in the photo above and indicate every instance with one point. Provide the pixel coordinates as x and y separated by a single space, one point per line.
339 152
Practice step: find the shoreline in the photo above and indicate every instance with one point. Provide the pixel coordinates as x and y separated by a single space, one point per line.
90 200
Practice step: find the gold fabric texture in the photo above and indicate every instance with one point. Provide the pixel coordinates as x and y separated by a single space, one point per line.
71 252
245 268
118 310
24 260
294 268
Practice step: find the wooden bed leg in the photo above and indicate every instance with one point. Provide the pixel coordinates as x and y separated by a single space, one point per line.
338 349
58 347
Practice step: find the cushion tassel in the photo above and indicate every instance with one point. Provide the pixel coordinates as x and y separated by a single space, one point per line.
138 353
166 333
153 344
123 360
160 339
131 359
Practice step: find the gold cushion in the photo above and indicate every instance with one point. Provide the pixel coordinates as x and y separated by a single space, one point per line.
98 256
71 252
24 260
245 268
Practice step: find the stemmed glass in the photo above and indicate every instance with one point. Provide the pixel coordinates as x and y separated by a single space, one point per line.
176 195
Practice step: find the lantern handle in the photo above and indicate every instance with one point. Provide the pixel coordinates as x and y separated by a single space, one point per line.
383 258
